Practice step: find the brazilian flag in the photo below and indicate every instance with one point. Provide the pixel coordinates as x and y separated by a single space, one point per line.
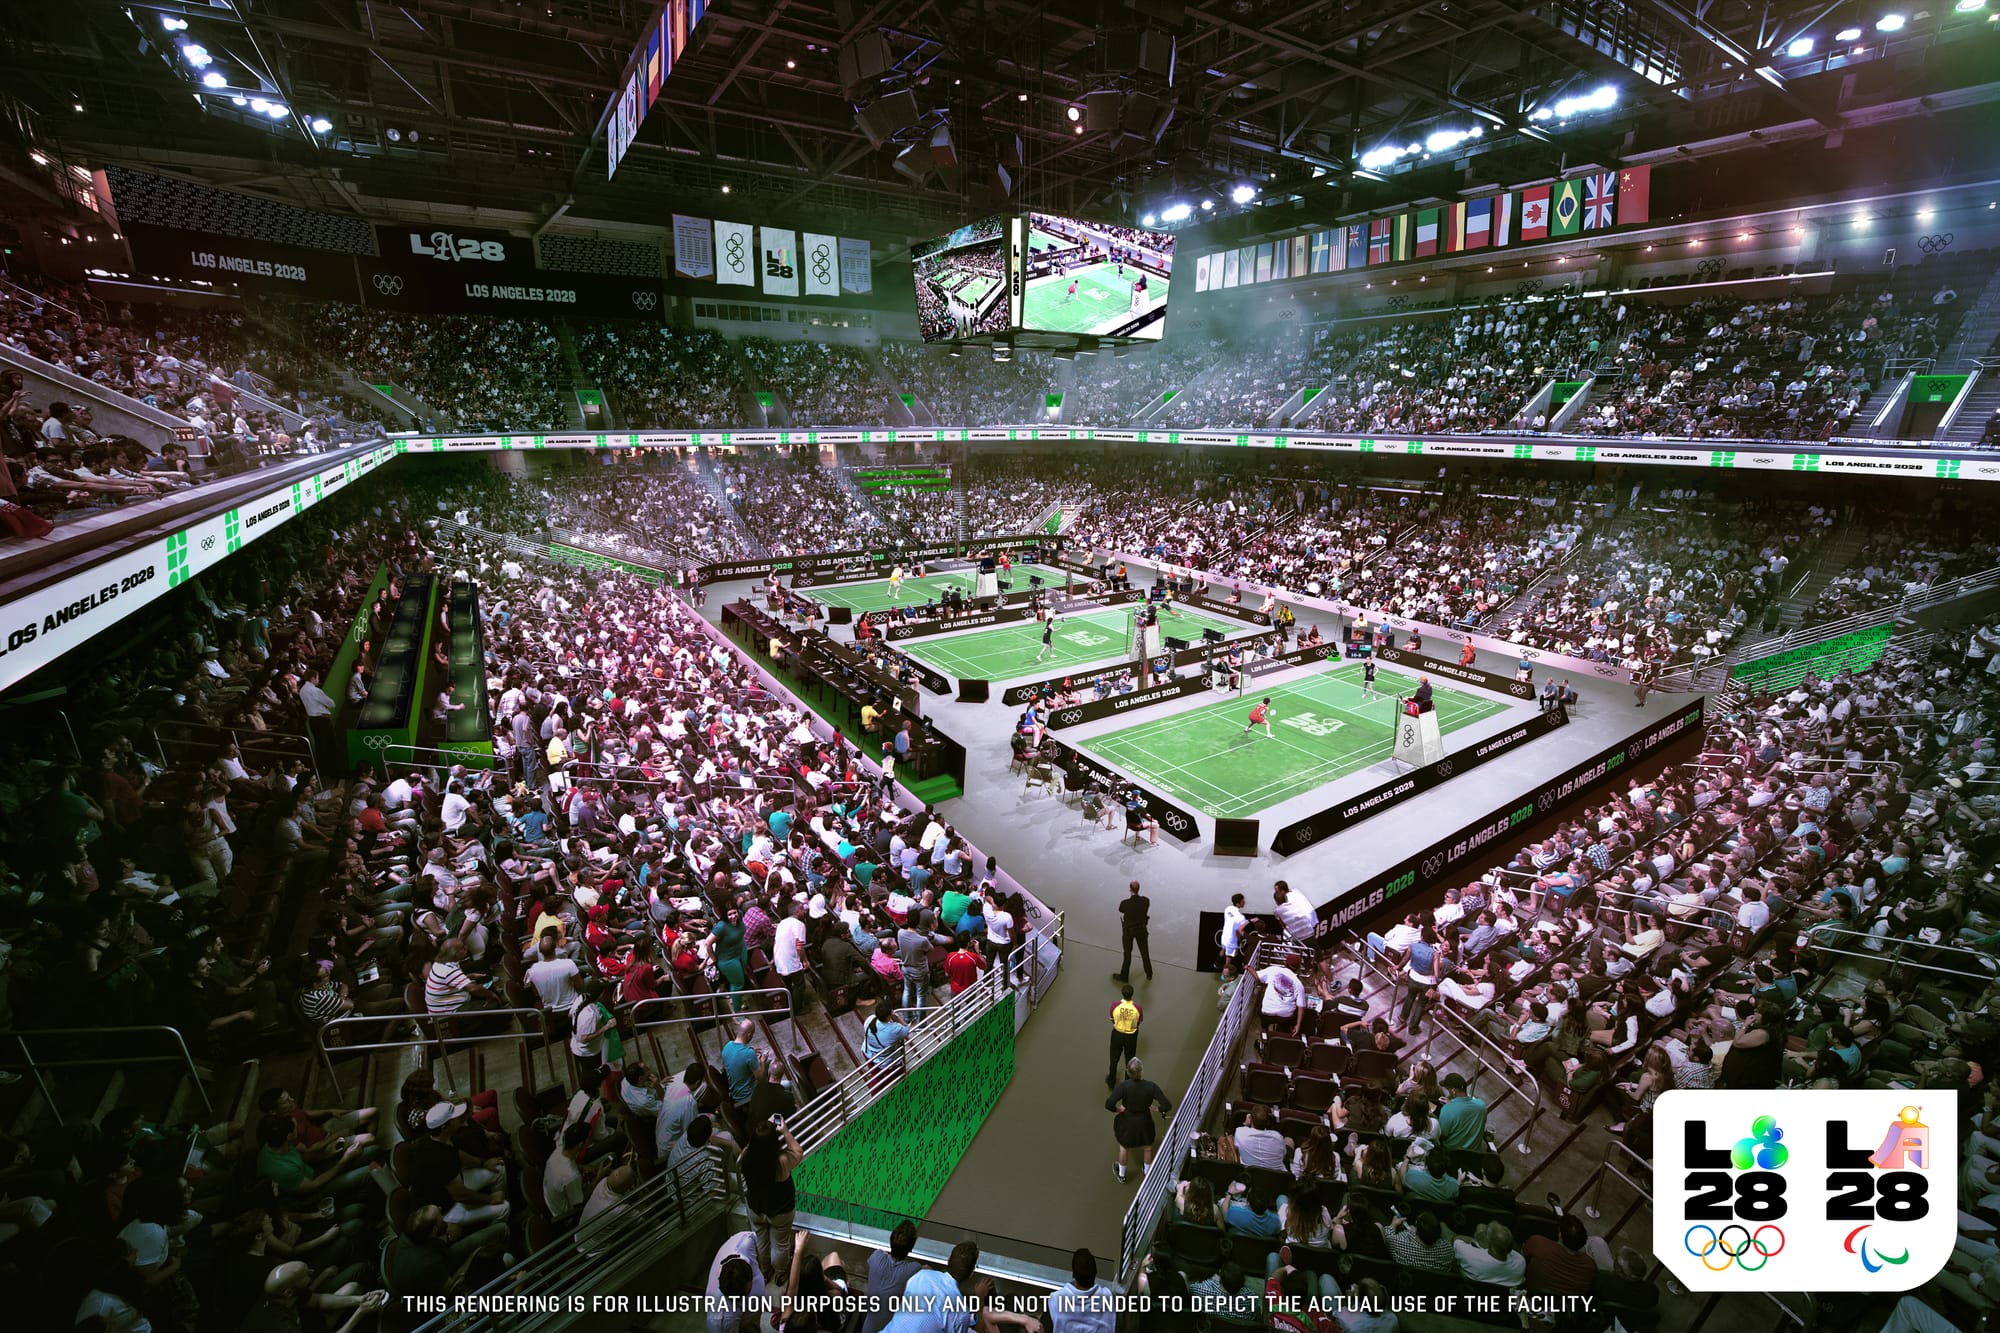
1566 208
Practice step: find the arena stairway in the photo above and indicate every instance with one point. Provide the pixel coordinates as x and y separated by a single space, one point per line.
705 473
1834 555
1982 400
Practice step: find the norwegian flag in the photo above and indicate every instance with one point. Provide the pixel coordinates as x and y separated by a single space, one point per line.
1600 200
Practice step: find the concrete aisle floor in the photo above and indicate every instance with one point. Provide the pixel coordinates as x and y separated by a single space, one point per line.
1040 1169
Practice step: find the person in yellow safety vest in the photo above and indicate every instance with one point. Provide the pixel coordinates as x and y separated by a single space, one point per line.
1125 1019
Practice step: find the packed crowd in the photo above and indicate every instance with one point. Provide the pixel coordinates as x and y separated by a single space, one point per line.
1467 372
477 372
1791 368
655 510
971 390
665 379
1113 390
1256 378
821 384
1903 557
795 507
1677 581
659 824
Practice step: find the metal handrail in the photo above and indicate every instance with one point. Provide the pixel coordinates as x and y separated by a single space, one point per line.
1520 1137
35 1067
258 746
1983 978
634 1231
713 997
1196 1103
1864 935
433 1036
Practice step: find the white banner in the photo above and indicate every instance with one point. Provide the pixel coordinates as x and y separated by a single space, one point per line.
819 259
735 254
857 271
694 247
778 251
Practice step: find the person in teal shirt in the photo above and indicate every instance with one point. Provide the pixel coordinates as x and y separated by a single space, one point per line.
732 960
741 1064
951 908
864 874
781 824
1461 1121
1419 1183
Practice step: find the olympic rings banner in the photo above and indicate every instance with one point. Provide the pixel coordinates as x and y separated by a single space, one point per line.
1805 1189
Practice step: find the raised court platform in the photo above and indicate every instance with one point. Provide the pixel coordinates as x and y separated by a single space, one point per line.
1008 652
1324 727
874 594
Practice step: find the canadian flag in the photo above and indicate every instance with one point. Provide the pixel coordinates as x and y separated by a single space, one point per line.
1535 213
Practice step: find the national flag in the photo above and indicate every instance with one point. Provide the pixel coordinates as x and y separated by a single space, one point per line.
1635 194
1231 267
1317 259
1301 244
1478 223
655 64
1357 246
1336 250
1454 229
1535 213
1405 225
1378 241
1201 273
1503 220
1264 262
1427 233
1600 201
1566 208
1249 253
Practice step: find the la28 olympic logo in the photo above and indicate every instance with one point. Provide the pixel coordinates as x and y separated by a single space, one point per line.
1805 1189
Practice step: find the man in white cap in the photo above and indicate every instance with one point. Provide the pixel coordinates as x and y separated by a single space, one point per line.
439 1178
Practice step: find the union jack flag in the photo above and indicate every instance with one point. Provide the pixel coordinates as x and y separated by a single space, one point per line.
1600 200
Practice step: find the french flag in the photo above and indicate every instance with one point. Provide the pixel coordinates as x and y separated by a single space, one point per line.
1478 223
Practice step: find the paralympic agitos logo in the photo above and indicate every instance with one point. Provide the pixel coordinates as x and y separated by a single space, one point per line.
1808 1189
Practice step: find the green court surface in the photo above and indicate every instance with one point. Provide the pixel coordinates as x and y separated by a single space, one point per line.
1323 728
874 596
1009 651
1103 300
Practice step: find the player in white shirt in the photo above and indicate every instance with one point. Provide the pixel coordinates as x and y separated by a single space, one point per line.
1294 913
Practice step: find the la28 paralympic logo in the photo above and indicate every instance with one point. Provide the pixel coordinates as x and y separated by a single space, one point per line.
1805 1189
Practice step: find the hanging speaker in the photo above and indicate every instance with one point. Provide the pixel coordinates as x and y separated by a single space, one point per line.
1136 117
914 162
1002 184
885 118
944 156
863 59
1101 111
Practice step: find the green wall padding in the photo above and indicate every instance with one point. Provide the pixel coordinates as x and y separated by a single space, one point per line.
899 1152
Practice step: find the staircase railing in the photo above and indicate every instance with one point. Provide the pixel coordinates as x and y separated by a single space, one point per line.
1935 595
205 739
97 1042
551 1287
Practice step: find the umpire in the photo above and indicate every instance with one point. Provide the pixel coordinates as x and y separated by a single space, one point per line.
1132 918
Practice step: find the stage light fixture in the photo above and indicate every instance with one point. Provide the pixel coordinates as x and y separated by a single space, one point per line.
1243 194
1074 112
1890 23
1176 213
1207 204
1150 220
278 111
172 24
214 79
197 55
1802 46
1848 35
320 124
239 100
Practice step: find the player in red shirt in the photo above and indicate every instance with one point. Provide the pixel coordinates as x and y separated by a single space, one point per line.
1466 654
1261 716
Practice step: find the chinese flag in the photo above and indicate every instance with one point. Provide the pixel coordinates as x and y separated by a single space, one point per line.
1635 193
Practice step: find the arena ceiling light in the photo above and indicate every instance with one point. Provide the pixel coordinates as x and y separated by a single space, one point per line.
1800 48
1176 213
1242 194
1598 99
1890 23
1074 112
1207 204
320 124
277 111
1150 220
1848 35
1443 141
172 24
215 78
196 54
1969 6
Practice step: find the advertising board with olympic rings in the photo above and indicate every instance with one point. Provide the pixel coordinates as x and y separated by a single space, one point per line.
1805 1189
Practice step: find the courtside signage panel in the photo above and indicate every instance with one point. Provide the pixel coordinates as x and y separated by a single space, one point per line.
39 627
1805 1189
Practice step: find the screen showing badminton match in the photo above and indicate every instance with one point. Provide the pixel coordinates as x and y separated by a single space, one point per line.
1094 279
962 282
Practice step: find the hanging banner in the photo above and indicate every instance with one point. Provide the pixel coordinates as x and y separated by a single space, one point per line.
735 254
778 255
470 247
857 267
694 248
819 259
261 266
427 288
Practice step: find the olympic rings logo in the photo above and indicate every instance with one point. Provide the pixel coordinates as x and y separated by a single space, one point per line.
1717 1240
